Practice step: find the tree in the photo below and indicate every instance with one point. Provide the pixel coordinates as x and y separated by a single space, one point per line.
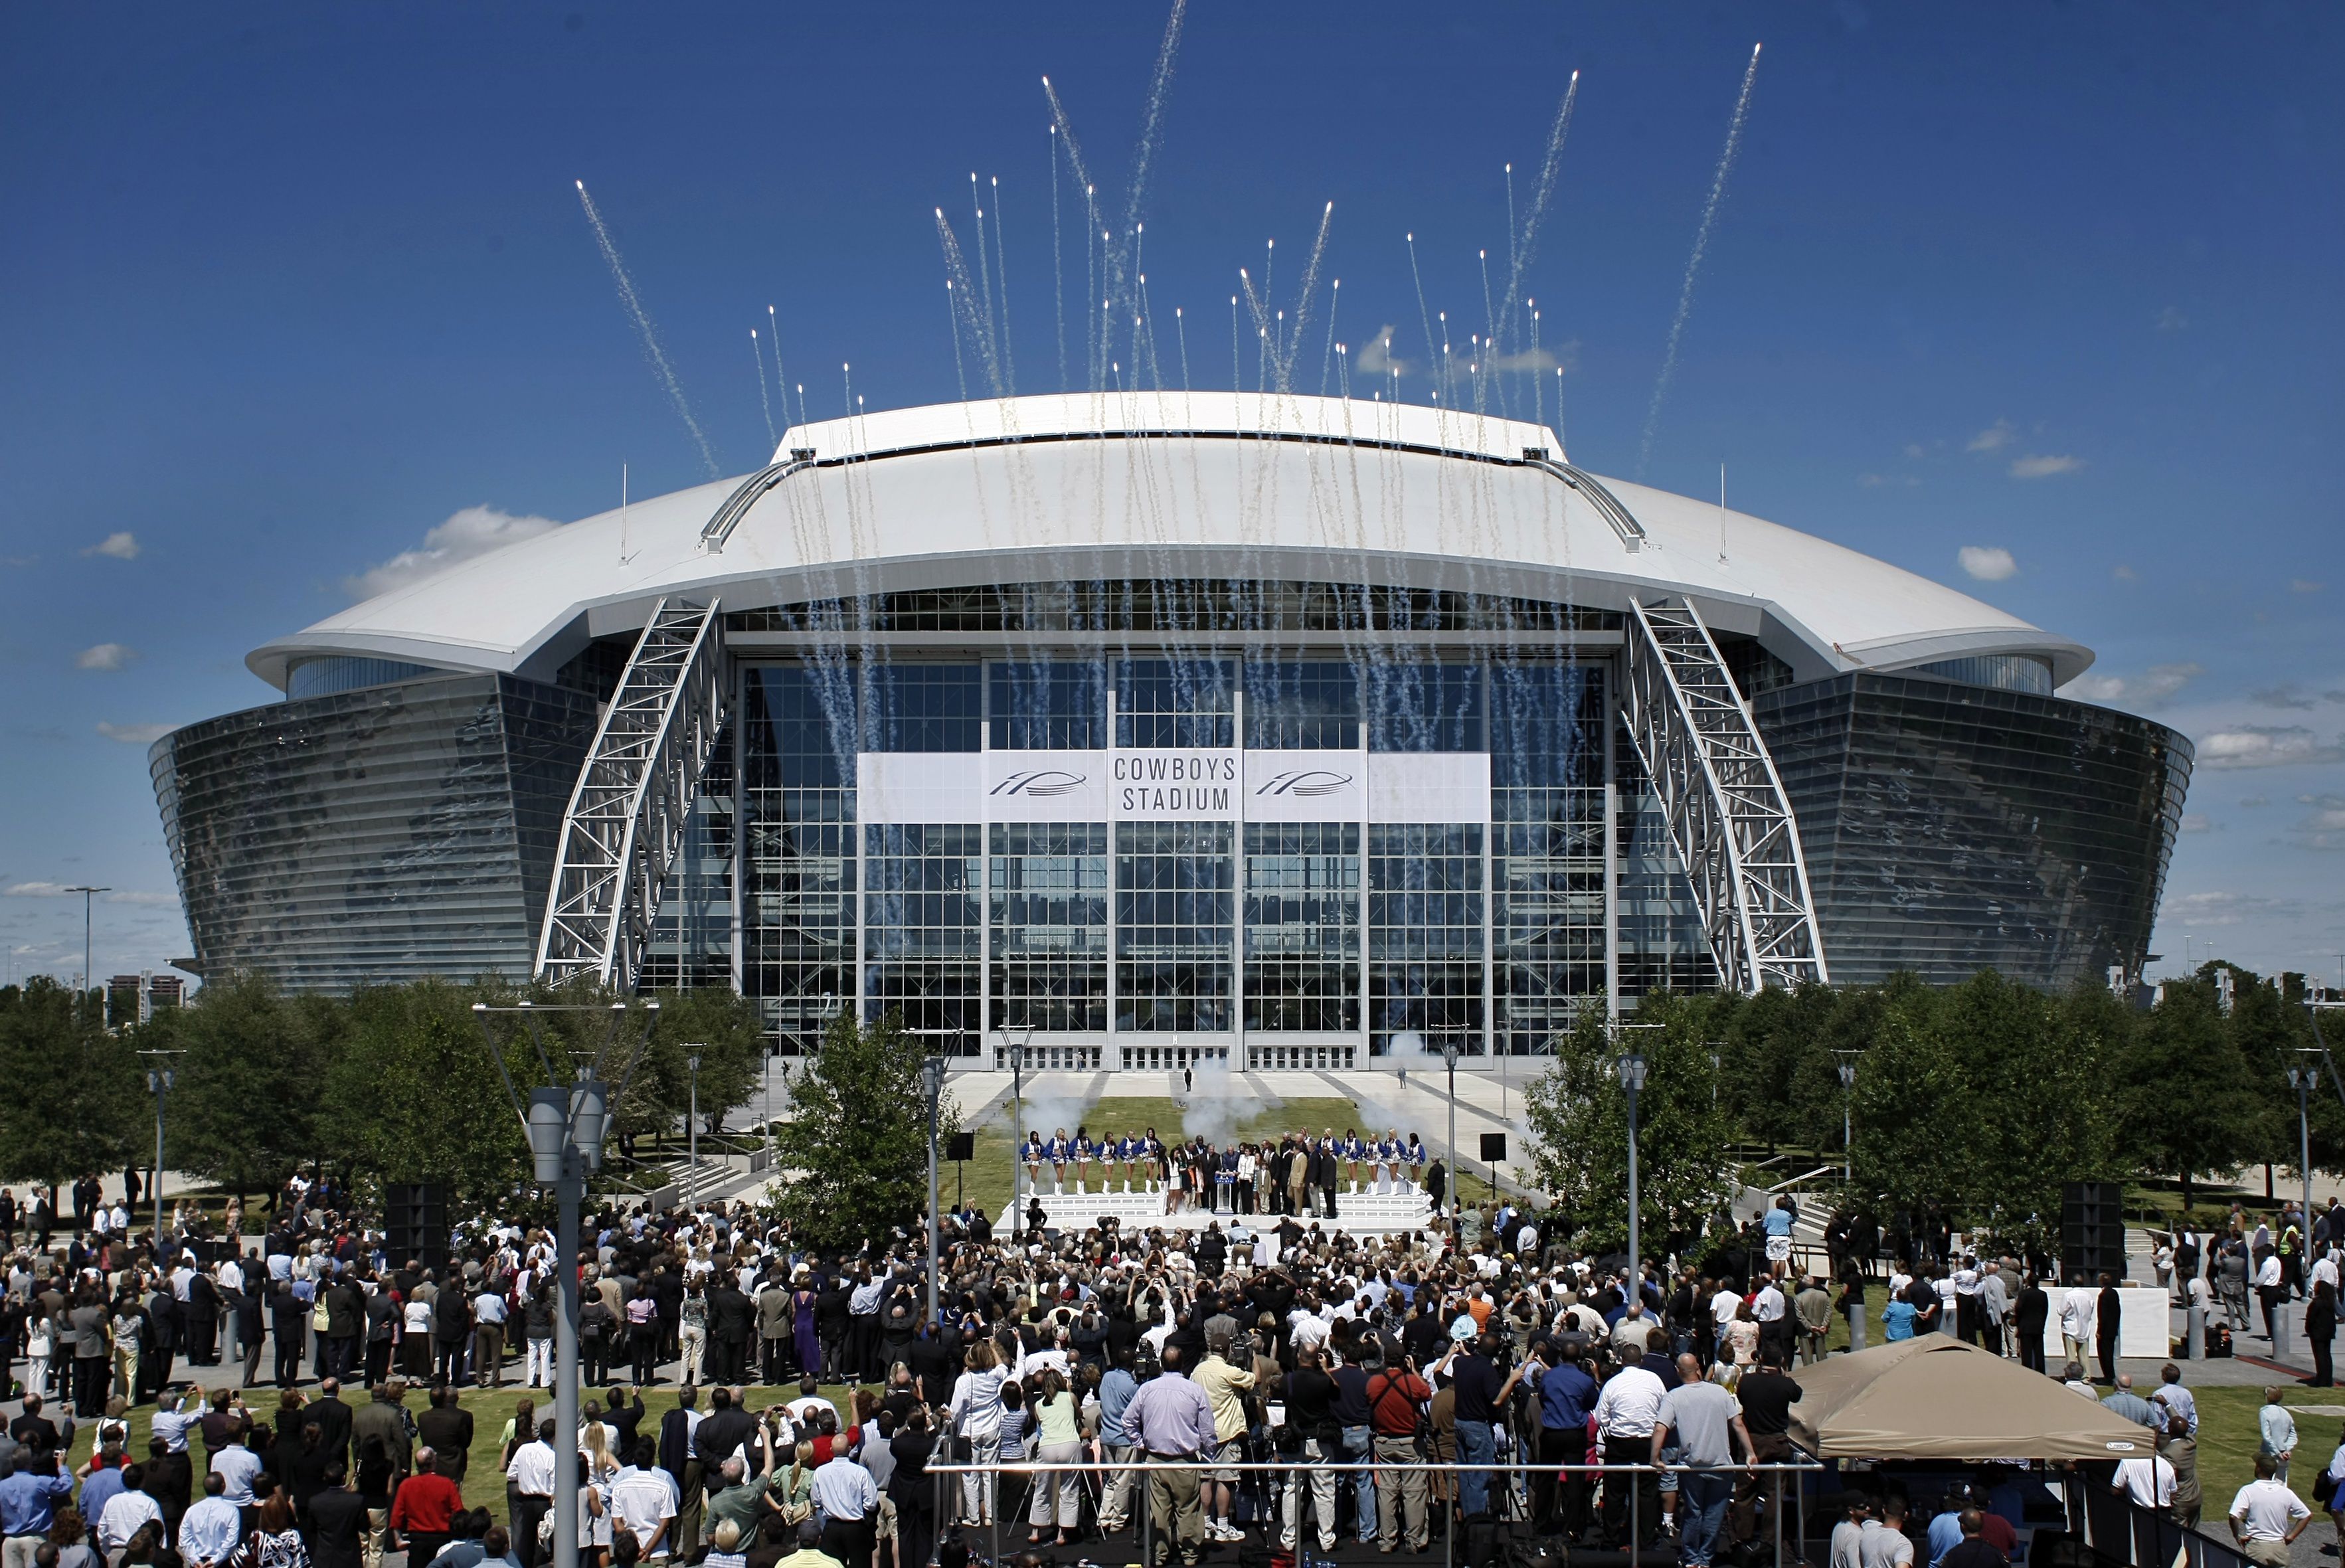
73 1092
725 1030
2191 1105
412 1095
1980 1101
855 1153
1578 1115
244 1112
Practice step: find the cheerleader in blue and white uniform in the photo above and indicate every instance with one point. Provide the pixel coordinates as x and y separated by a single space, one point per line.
1353 1150
1083 1162
1387 1166
1151 1154
1415 1165
1059 1159
1033 1154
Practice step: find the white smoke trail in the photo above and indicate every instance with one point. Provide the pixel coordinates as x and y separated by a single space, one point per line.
1693 263
1521 249
1218 1104
765 400
644 326
1151 123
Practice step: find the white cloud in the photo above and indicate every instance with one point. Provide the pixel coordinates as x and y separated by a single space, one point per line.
2124 573
143 899
121 546
2265 746
135 734
35 890
105 655
1987 563
2195 822
1875 481
2172 320
1564 355
2159 683
1993 438
2032 467
2284 694
1375 358
2304 586
2255 802
2323 826
475 531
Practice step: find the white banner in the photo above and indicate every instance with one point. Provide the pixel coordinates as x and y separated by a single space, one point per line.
1429 786
1173 786
919 787
1304 786
1041 786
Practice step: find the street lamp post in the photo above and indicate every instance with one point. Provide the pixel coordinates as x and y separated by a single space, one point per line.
932 1075
1847 1117
1017 1049
87 893
565 1120
159 1080
2300 1079
691 1119
1456 1171
1632 1066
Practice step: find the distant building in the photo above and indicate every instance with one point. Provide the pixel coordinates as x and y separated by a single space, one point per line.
1153 727
133 998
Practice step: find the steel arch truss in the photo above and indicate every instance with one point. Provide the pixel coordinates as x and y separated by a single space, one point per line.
1728 817
625 824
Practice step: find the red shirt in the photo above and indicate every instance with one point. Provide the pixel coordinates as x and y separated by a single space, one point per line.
426 1504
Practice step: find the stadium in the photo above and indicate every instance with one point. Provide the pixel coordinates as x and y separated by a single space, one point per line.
1148 729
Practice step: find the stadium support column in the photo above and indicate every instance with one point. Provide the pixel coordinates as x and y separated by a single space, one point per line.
1612 851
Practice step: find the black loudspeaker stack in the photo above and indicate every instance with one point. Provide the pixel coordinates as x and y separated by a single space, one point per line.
2092 1232
961 1147
415 1223
1494 1148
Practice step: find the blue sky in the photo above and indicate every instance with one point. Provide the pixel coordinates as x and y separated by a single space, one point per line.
286 289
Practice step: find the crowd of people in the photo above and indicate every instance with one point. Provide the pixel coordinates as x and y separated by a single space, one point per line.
1267 1379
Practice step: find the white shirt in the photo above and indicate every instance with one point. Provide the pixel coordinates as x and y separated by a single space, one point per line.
1723 1306
1879 1546
2326 1269
2266 1511
1629 1404
643 1499
1768 1307
124 1513
2077 1313
208 1531
531 1470
845 1490
2268 1275
2148 1481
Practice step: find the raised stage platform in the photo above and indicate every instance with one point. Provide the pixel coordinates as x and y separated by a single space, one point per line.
1362 1213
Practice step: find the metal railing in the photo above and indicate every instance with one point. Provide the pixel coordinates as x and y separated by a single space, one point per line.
1508 1503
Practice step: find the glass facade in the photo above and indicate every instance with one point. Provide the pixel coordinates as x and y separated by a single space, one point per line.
1952 828
1463 847
797 850
379 834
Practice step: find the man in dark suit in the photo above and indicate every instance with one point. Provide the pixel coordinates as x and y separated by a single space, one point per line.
1322 1174
446 1429
731 1318
682 1465
2030 1310
332 1417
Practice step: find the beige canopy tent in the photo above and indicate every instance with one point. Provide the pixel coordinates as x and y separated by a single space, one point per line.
1933 1396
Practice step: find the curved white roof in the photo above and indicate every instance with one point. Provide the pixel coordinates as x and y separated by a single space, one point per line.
1170 485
